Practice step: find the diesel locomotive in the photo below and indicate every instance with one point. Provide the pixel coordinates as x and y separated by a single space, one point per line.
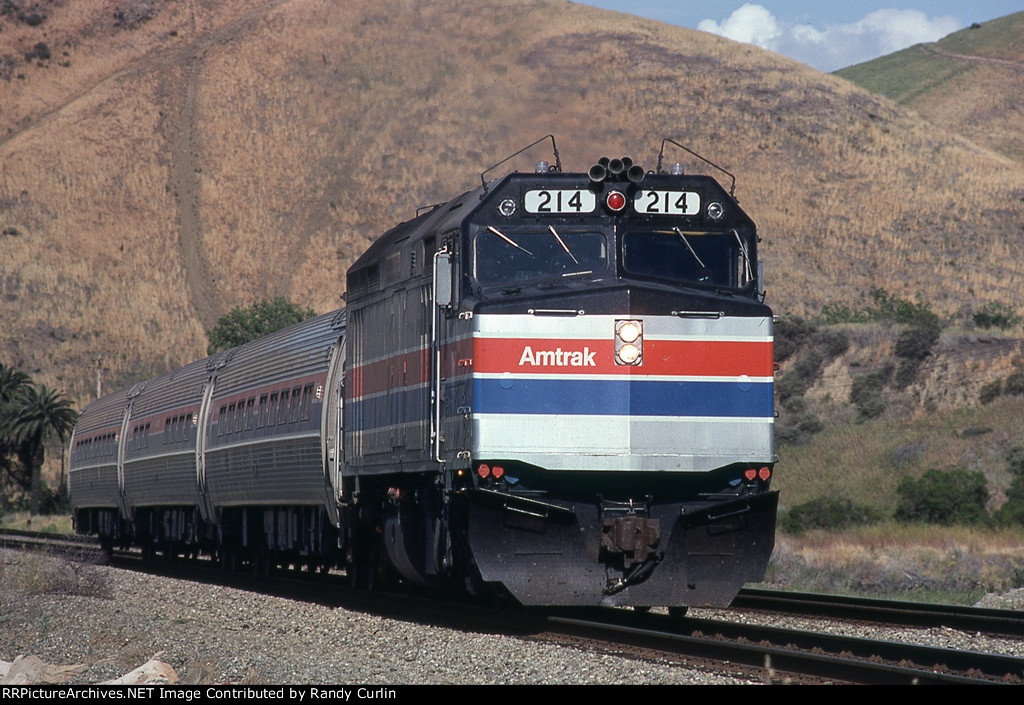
558 385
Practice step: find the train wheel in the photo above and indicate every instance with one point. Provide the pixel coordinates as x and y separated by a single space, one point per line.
678 612
642 609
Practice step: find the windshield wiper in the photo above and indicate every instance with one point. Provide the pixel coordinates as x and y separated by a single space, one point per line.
562 243
509 240
690 248
746 257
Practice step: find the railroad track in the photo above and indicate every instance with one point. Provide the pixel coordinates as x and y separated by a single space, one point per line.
75 548
764 653
778 653
894 612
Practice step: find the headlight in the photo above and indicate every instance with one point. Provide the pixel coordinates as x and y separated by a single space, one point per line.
628 354
629 331
629 342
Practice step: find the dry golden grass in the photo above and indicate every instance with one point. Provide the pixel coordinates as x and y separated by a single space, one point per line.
220 153
951 564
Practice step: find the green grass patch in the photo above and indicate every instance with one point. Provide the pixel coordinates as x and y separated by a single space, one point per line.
46 523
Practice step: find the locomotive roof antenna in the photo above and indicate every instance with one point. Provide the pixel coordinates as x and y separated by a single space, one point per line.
732 188
554 148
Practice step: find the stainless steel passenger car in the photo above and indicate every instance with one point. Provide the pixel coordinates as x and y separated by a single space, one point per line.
558 383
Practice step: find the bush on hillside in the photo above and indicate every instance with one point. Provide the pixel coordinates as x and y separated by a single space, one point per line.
990 391
996 315
918 339
827 513
242 325
866 391
841 313
790 334
1014 384
1012 512
797 426
943 497
1015 460
887 307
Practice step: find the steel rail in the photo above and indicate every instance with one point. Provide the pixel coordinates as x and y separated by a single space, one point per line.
827 656
897 612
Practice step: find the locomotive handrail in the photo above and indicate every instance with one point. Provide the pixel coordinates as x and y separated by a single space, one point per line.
699 314
732 187
554 148
555 311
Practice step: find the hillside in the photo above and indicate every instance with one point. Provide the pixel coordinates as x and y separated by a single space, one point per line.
163 162
970 82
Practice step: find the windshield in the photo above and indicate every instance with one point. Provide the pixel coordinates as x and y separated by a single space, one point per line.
511 256
720 259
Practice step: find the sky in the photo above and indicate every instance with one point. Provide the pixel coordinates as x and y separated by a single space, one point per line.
821 33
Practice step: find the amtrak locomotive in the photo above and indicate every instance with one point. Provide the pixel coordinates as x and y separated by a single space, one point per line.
557 384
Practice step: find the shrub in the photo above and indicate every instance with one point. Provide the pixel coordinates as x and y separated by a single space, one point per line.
841 313
888 307
790 334
950 497
916 341
866 391
799 378
40 51
1012 512
828 513
833 342
906 372
990 391
892 308
798 426
1014 384
996 315
240 326
1015 460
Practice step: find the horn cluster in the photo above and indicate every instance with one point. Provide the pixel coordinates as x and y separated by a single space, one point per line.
616 170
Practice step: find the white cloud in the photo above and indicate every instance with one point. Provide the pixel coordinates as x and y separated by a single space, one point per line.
878 33
751 24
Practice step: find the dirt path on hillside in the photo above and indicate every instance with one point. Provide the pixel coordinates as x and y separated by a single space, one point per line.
186 160
198 273
179 98
1005 63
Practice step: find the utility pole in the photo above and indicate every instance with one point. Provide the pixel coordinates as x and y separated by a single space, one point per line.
98 365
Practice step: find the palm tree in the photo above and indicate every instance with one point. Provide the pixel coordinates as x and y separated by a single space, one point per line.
35 416
13 383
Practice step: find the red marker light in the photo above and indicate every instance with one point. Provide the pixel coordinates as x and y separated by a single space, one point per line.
498 472
764 473
750 474
483 470
615 201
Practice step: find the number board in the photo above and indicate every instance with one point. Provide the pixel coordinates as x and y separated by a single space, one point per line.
560 201
667 202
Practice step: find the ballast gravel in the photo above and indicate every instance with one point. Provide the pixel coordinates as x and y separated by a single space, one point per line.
112 621
224 635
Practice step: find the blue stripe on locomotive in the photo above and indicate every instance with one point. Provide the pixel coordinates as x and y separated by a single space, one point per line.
623 397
